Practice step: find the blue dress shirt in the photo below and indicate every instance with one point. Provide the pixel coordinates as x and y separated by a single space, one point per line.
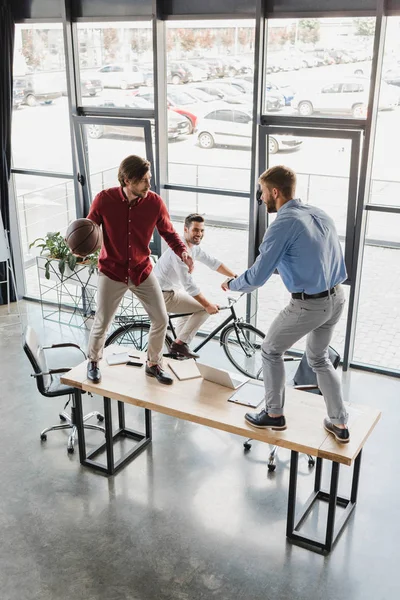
303 245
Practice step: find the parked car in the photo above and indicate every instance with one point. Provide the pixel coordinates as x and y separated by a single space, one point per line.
177 125
206 66
178 101
18 97
91 87
219 66
120 76
281 90
224 91
39 87
180 72
347 96
232 126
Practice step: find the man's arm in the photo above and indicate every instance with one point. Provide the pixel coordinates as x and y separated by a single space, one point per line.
275 243
209 307
95 210
167 231
225 271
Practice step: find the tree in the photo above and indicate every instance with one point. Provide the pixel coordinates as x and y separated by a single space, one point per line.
110 43
34 47
187 39
227 38
364 25
206 39
309 31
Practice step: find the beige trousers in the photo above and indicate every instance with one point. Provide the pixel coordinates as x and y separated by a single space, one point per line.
180 302
109 296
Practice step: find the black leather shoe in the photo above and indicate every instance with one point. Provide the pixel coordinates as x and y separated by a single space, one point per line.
161 376
341 435
262 420
182 350
93 371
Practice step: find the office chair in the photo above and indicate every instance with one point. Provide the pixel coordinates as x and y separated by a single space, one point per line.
48 384
306 380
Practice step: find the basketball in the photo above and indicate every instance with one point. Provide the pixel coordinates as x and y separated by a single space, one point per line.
83 237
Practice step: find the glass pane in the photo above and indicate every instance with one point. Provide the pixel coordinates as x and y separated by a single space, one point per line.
107 146
385 187
44 205
377 340
40 127
210 74
115 61
319 67
229 246
324 181
225 209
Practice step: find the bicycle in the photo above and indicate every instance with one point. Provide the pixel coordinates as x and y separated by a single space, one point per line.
241 341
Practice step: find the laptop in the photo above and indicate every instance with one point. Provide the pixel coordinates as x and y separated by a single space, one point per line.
221 376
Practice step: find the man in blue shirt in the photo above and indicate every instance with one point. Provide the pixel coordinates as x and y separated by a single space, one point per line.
303 245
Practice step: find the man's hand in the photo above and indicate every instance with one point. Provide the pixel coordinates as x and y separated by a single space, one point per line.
224 284
212 309
188 260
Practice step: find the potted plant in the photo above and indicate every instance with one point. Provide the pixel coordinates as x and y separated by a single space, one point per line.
53 249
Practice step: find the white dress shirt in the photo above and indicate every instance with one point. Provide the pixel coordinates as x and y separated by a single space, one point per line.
173 274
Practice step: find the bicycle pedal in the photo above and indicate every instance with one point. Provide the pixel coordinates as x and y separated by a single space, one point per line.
174 356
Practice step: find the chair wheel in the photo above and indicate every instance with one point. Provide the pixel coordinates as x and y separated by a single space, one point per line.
271 468
311 462
100 418
246 446
62 418
70 450
43 437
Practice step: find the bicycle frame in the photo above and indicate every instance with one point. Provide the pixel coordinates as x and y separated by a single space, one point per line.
232 317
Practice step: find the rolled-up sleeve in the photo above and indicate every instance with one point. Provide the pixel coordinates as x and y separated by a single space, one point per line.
210 261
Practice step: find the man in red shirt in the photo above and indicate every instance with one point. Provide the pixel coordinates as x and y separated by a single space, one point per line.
128 215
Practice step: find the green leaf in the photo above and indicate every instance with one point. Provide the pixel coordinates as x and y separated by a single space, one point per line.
61 266
71 261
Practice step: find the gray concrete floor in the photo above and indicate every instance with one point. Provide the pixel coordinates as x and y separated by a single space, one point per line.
191 518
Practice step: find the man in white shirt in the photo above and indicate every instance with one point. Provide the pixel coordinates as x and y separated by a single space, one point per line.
181 294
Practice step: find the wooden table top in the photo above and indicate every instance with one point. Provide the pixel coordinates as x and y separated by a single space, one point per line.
206 403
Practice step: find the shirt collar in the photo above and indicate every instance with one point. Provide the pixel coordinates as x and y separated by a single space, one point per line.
290 204
125 199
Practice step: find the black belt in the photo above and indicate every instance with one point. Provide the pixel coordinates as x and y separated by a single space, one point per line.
303 296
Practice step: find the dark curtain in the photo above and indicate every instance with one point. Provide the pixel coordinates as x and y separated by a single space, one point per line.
6 101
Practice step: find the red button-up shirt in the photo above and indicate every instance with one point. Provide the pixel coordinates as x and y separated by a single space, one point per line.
127 230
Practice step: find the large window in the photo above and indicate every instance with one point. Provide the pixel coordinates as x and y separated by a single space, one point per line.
40 134
320 67
41 139
210 75
115 62
377 340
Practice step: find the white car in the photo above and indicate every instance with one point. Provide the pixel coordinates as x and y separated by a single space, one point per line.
120 76
346 96
232 126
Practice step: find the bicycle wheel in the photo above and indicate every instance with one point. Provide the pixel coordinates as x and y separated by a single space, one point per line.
242 344
136 336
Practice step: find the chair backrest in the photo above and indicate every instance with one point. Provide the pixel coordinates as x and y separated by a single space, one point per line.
306 376
37 358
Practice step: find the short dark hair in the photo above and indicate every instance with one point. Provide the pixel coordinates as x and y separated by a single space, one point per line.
133 167
193 217
282 178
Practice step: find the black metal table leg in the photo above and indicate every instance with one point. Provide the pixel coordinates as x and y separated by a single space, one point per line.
121 414
294 461
330 524
334 527
109 435
80 425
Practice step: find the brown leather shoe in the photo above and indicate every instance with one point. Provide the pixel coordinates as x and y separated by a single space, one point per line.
182 350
